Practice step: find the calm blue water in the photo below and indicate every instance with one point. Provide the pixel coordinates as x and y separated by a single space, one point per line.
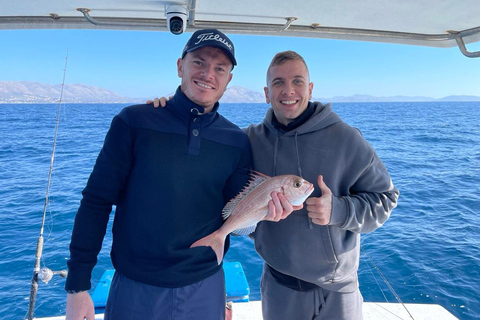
429 250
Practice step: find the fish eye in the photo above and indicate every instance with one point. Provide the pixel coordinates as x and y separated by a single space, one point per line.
297 183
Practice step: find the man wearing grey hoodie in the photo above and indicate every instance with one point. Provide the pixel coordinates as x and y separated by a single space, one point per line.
312 256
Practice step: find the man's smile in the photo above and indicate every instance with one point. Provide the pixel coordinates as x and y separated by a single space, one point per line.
288 102
203 85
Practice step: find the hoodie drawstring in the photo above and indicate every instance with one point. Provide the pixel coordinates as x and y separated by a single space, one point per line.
299 168
275 157
298 154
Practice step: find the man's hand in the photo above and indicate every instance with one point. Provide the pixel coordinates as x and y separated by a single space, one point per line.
159 102
79 306
279 208
320 209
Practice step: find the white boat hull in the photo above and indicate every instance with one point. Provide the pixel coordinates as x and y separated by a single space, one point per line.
371 311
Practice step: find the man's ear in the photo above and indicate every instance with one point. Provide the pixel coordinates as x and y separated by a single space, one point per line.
310 90
180 67
267 99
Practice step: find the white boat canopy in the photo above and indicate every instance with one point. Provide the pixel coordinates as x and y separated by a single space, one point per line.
436 23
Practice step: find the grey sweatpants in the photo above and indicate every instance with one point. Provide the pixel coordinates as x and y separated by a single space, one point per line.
282 303
132 300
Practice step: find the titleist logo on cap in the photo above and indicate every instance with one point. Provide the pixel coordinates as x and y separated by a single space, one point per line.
211 36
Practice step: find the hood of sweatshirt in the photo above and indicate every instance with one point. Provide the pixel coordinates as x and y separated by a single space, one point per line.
322 117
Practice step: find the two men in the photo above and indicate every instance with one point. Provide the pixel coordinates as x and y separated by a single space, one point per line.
312 256
169 172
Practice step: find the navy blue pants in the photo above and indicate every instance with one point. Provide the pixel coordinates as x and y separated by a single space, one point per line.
132 300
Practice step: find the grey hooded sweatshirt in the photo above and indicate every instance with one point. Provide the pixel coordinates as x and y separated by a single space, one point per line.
363 197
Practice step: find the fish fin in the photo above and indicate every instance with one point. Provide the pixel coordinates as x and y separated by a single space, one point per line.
256 179
245 231
254 173
214 241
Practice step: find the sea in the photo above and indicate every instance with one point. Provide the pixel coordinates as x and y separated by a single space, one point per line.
427 252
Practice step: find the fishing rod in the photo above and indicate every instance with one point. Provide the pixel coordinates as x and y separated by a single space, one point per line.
45 274
388 283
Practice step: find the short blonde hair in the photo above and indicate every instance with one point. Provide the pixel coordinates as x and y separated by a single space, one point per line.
284 56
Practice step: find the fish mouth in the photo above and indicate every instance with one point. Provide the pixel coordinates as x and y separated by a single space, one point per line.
301 200
310 189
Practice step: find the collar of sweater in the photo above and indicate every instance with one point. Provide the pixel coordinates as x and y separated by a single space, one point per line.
297 122
186 108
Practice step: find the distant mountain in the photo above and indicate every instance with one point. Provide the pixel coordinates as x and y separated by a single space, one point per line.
460 98
237 94
34 92
367 98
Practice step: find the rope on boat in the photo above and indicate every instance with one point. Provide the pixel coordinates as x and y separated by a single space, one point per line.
38 254
388 284
378 284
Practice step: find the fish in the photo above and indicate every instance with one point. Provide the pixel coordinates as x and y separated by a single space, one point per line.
243 212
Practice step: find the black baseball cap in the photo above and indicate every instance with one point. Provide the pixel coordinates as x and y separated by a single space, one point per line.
212 38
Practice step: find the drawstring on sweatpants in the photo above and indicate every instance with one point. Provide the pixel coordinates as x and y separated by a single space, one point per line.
319 299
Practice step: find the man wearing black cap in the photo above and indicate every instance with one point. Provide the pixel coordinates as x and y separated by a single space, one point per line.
169 171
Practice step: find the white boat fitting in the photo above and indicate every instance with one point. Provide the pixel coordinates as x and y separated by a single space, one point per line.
445 23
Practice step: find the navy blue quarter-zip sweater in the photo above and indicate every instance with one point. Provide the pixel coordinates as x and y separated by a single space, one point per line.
169 171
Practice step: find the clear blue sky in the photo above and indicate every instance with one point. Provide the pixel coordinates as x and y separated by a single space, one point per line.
143 64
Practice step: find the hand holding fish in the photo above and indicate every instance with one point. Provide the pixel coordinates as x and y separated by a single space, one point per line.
279 208
320 209
242 213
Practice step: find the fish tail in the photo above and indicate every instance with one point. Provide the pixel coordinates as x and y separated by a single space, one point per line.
215 241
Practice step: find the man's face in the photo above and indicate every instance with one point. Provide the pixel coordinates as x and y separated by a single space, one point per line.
288 90
205 75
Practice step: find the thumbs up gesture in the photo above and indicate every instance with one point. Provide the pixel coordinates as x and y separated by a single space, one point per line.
320 209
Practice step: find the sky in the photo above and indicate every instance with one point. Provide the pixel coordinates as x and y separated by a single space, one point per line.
143 63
